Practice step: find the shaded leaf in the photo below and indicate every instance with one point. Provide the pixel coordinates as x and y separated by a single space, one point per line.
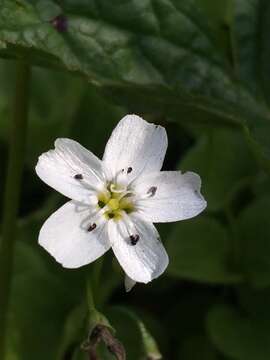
251 52
42 295
251 24
254 233
161 55
165 51
38 309
237 335
50 114
222 172
73 331
199 249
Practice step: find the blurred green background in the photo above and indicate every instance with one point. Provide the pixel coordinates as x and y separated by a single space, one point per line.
199 68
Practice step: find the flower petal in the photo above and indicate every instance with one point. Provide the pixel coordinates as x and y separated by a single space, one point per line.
64 235
144 261
169 196
58 169
135 145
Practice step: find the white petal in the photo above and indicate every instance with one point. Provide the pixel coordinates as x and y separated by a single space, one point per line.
58 167
176 196
144 261
64 235
137 145
129 283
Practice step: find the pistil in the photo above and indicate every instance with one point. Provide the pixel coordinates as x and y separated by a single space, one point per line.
116 202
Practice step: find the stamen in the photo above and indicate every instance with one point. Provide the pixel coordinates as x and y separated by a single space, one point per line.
116 188
101 203
92 227
120 182
134 239
92 188
129 169
78 177
152 191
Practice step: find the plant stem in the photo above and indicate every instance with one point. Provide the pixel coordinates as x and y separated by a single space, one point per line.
92 283
90 297
12 191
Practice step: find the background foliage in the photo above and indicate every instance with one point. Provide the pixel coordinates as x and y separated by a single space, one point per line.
200 68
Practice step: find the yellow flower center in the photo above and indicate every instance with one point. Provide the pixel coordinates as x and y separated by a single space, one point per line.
113 204
116 203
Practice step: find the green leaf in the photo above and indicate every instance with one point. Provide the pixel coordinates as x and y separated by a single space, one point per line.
157 56
36 297
237 335
147 49
50 114
217 13
87 129
199 250
150 346
251 53
223 173
41 295
73 331
254 232
251 46
246 42
57 116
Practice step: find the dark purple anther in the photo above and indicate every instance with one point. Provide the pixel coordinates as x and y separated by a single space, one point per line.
60 23
92 227
152 191
134 239
78 177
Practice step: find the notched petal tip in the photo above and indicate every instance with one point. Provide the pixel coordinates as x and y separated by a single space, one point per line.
59 141
146 144
171 196
196 183
41 164
64 167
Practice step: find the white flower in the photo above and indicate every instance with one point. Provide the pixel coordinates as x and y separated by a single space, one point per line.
115 201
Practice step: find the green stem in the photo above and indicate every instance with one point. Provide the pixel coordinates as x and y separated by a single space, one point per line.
12 192
89 294
92 283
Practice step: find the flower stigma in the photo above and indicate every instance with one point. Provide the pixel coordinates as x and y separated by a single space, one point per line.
117 201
